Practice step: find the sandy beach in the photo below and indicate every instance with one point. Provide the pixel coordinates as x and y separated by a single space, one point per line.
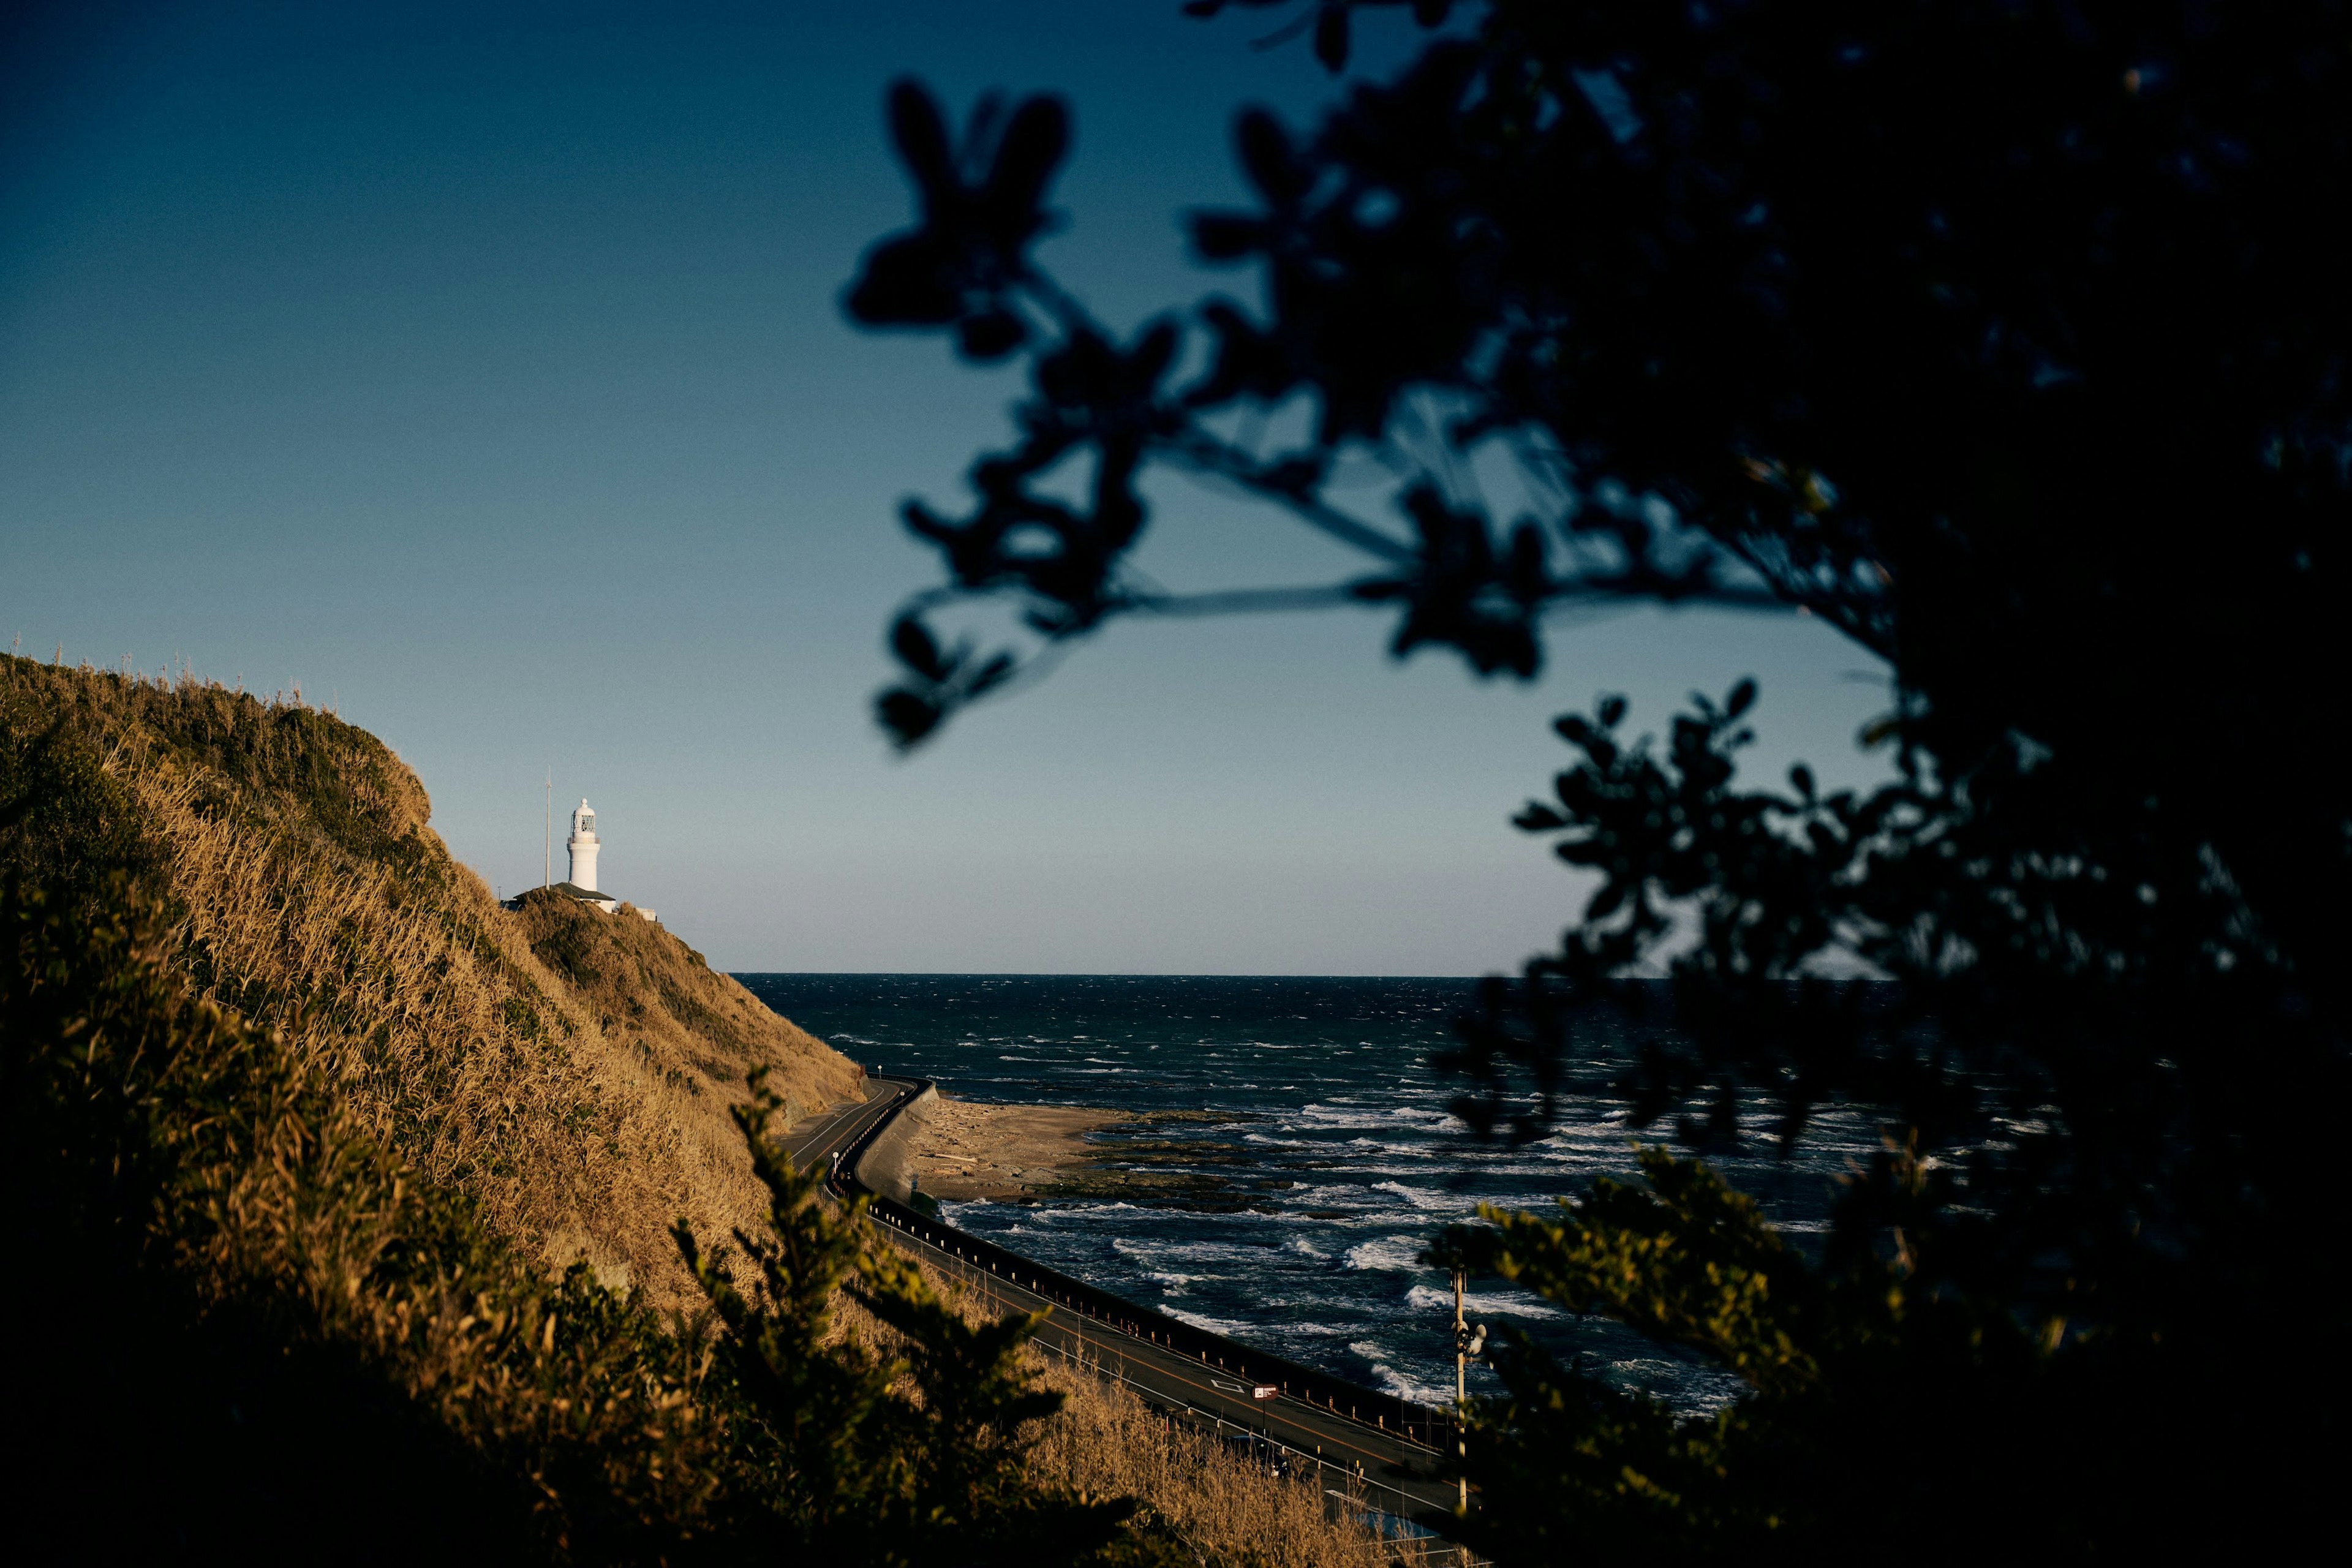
963 1152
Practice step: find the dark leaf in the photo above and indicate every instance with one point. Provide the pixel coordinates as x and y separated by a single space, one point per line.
1153 352
1034 143
1295 476
921 134
1331 35
909 716
904 283
1227 237
916 649
990 334
1267 157
1743 697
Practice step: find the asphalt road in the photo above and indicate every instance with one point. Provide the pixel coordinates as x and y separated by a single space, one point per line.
1358 1460
821 1137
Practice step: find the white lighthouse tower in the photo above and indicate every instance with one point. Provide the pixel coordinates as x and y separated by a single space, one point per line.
582 845
581 884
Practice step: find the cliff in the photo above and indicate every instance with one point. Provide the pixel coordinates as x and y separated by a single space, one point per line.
296 1126
569 1072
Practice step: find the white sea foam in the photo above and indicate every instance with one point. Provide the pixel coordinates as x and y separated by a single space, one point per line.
1336 1195
1342 1118
1227 1326
1313 1331
1700 1392
1427 1200
1360 1124
1396 1382
1419 1154
1186 1251
1491 1303
1390 1254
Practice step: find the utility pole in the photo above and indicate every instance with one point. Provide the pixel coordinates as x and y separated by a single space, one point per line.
1461 1387
547 873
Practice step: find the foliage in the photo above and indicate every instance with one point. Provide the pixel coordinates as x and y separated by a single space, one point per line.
2008 337
274 1330
241 1314
580 1108
1878 1398
911 1459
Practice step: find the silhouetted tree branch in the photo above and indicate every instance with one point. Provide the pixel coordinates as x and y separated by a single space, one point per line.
2011 340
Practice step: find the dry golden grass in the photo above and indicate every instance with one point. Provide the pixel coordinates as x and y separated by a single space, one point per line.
568 1072
299 1257
313 897
687 1036
1106 1440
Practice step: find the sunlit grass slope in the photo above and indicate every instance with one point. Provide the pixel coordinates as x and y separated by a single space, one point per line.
567 1070
313 1159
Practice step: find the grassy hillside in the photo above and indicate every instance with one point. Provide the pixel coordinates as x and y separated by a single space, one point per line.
335 1197
567 1070
689 1035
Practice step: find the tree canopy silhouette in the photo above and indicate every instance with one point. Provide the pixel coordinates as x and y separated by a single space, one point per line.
2012 339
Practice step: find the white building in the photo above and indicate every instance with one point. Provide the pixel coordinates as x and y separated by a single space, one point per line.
582 845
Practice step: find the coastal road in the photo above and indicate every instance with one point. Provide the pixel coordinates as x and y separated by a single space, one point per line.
1358 1460
1391 1475
818 1138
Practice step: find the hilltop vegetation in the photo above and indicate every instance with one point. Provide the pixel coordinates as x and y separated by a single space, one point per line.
688 1035
347 1211
580 1107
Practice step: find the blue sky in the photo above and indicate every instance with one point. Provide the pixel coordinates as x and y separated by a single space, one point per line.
484 373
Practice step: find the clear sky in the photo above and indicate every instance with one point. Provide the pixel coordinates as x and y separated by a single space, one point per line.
480 369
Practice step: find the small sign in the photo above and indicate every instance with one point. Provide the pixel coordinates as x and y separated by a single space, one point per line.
1264 1391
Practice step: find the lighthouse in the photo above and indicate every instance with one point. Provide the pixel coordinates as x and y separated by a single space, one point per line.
582 845
581 885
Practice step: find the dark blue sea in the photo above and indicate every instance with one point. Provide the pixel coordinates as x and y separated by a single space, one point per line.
1329 1137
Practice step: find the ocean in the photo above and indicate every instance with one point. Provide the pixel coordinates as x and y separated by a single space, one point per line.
1316 1146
